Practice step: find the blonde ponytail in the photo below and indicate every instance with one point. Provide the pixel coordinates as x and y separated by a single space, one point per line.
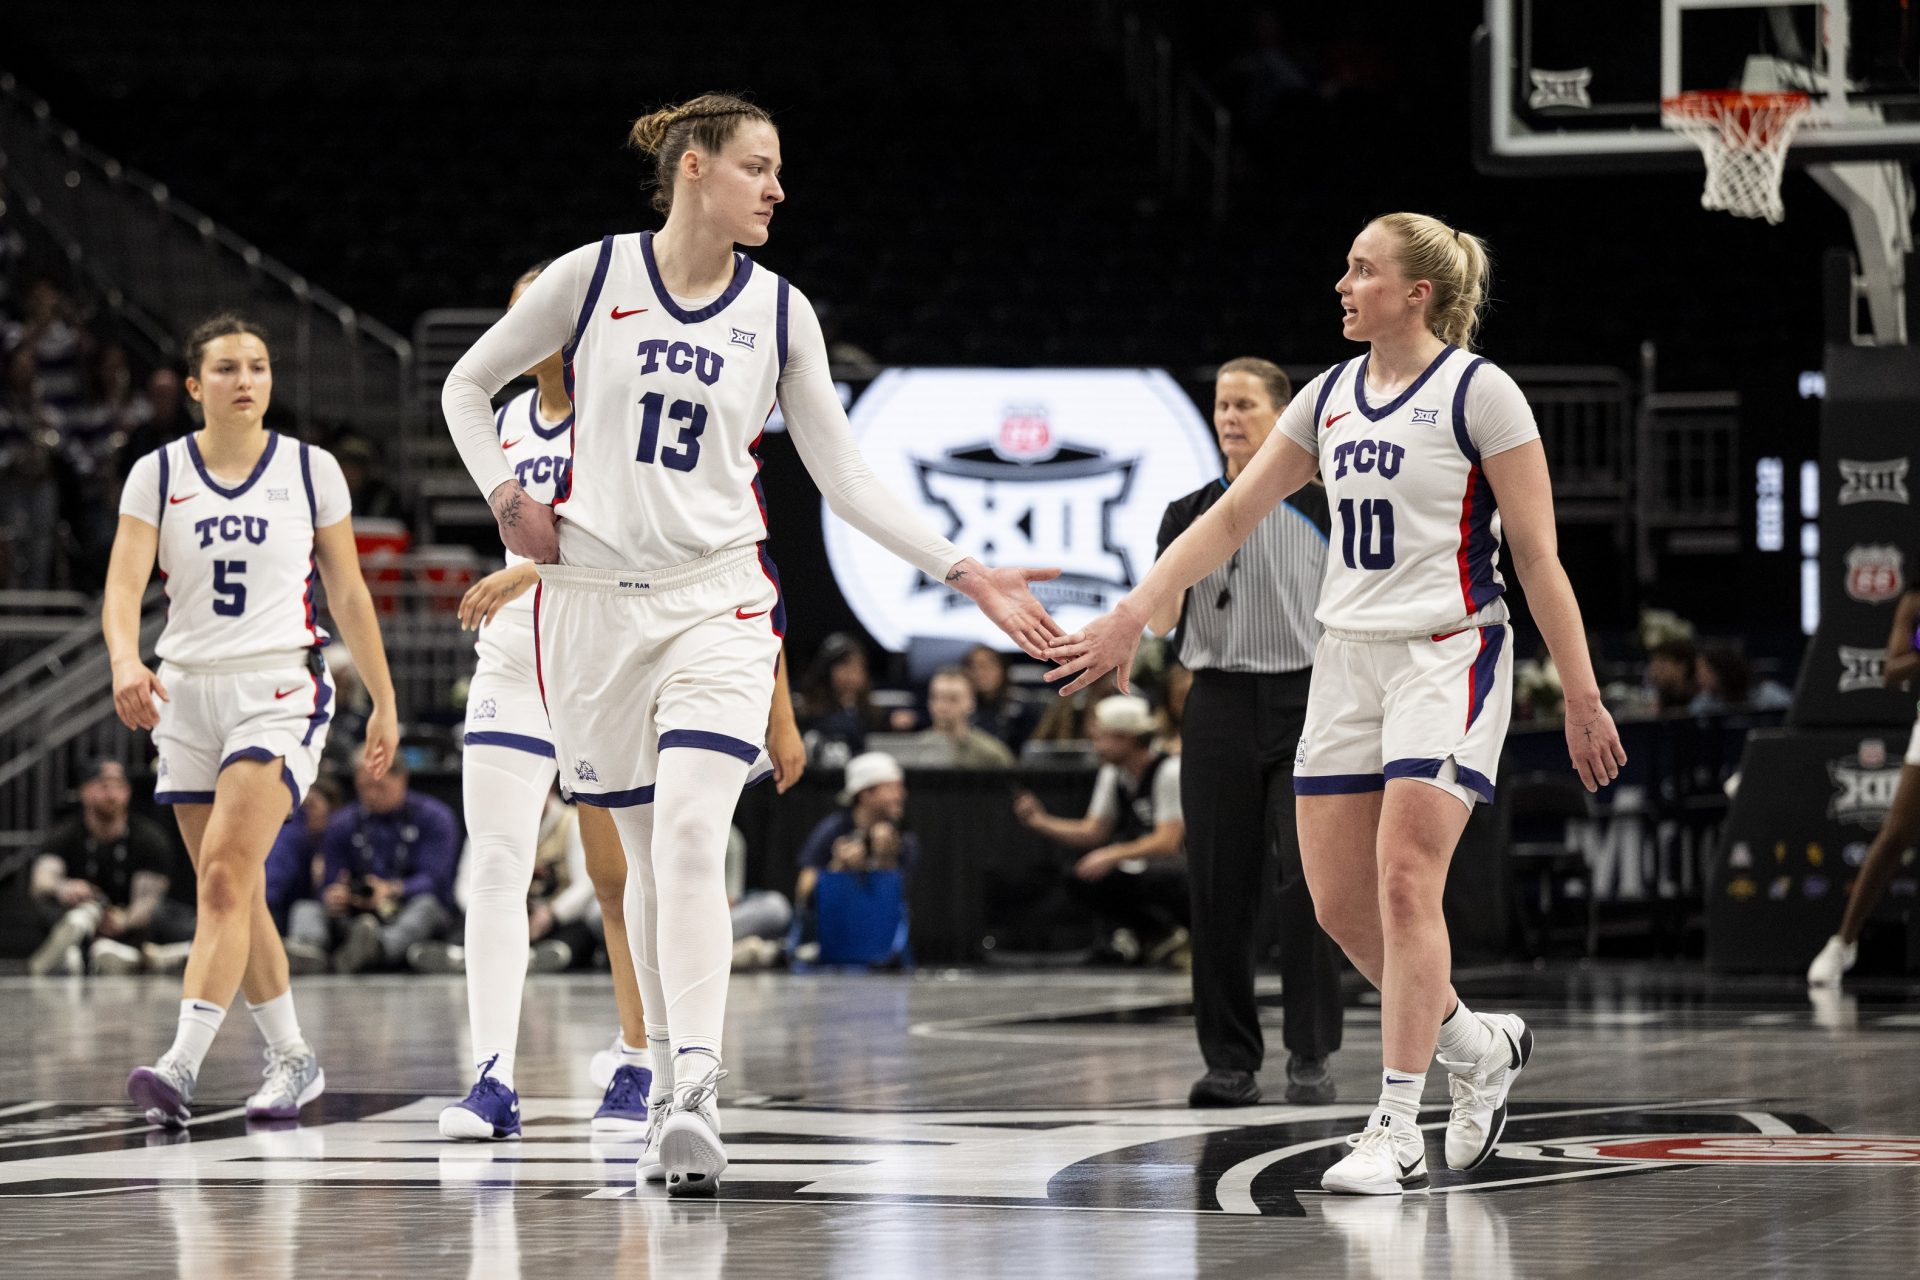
1455 263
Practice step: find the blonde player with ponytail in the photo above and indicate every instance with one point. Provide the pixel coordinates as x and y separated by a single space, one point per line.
657 618
1429 453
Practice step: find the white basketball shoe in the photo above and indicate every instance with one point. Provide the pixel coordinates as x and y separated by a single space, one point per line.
1389 1156
1480 1091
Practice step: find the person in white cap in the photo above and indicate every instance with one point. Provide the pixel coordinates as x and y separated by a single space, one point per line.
1131 871
864 833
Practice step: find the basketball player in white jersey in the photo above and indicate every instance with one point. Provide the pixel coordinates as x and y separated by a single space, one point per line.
506 773
241 519
1427 451
655 625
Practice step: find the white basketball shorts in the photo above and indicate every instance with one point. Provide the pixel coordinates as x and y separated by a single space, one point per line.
634 662
504 707
276 707
1434 708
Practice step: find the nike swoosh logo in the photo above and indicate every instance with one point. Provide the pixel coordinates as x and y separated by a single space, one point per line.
1445 635
1513 1045
618 314
744 616
174 502
508 444
1406 1170
277 693
1391 1080
1335 417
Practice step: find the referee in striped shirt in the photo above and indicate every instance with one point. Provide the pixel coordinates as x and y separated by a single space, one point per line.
1247 632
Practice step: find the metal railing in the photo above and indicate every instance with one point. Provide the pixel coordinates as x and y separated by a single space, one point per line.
164 266
1190 128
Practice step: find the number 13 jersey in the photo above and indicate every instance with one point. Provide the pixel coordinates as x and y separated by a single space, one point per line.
237 560
1415 541
669 400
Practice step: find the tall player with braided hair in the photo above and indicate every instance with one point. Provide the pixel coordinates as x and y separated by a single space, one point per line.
658 615
1427 451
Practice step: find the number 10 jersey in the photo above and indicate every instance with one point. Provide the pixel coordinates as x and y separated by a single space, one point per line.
1415 538
670 399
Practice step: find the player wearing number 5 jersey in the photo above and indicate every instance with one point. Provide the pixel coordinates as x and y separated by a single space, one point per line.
242 520
1426 451
658 614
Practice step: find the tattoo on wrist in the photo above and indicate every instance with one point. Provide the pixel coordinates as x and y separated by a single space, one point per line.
509 510
955 574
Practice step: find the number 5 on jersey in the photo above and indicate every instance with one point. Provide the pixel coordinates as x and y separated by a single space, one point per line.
226 583
686 452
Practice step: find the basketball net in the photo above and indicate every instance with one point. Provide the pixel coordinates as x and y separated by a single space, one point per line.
1744 138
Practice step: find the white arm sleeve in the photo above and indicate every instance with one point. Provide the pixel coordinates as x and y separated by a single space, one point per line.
1498 416
820 432
538 325
1296 420
141 498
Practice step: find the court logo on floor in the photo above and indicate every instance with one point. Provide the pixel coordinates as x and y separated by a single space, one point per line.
1747 1149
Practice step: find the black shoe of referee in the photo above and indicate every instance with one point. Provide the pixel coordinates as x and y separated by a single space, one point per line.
1309 1083
1223 1088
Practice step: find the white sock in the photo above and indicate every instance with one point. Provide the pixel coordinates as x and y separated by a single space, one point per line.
199 1022
1463 1037
632 1057
505 792
278 1022
691 929
660 1053
691 1067
1400 1095
497 1065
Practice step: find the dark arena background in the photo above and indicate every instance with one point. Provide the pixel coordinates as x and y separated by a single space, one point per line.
1032 234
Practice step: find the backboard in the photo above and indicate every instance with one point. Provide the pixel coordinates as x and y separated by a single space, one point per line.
1574 87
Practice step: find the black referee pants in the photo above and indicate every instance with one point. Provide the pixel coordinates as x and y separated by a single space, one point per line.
1236 790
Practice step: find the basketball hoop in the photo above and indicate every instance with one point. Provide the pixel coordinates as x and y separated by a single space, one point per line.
1744 137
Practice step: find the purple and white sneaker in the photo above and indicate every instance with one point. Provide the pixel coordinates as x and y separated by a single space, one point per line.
293 1080
489 1113
624 1109
163 1092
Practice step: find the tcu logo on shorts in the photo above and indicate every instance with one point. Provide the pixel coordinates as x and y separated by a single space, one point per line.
682 357
1368 455
231 529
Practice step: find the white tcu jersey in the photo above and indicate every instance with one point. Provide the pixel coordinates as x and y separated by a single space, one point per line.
1415 536
669 404
237 562
540 454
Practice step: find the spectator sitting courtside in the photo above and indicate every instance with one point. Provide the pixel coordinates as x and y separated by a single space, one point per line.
1131 873
862 835
389 861
104 878
950 705
999 710
294 863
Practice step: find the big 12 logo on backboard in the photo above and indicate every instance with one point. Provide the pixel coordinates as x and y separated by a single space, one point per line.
1861 668
1875 573
1863 785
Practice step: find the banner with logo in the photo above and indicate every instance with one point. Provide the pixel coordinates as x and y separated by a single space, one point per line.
1869 534
1068 468
1810 802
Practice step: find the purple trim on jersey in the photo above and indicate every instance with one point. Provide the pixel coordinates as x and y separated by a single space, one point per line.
165 476
706 740
1326 393
1337 784
1486 664
742 272
1412 767
1360 385
586 308
266 456
533 417
780 323
616 799
499 422
514 741
1460 435
183 797
265 757
322 699
1479 783
306 478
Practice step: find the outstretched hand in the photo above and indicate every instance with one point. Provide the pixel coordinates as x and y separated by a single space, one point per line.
1106 644
1003 595
1594 744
